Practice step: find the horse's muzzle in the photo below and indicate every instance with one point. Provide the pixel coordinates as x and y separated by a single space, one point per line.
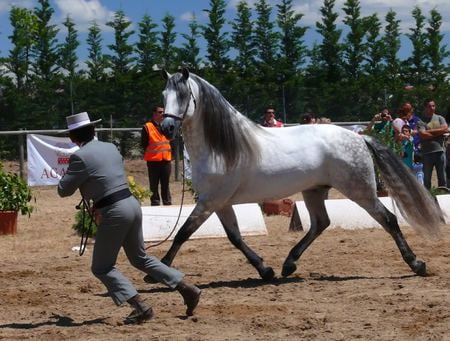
169 127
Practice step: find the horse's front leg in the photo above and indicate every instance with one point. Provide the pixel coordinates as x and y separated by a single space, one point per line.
228 219
193 222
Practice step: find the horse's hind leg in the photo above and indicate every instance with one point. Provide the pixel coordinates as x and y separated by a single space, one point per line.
389 222
228 219
315 203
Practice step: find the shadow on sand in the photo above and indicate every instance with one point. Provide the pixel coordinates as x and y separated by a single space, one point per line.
55 320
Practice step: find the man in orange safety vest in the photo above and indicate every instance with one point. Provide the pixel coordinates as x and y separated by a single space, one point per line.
158 154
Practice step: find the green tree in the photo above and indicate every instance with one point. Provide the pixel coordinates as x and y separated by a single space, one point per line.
68 61
147 45
97 61
68 50
316 87
267 46
326 68
217 44
417 64
241 35
437 52
122 58
122 90
330 50
244 62
168 51
146 84
18 62
391 41
374 81
45 43
190 51
292 45
354 47
292 55
375 46
265 38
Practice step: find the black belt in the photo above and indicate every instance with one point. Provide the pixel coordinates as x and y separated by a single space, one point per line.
112 198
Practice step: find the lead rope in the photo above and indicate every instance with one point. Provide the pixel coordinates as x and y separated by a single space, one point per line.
178 218
84 206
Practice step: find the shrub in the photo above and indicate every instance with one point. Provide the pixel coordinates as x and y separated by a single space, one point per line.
15 195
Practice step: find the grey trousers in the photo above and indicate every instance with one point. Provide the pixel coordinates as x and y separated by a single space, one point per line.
121 225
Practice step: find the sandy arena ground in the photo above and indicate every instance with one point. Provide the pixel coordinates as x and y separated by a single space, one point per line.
349 285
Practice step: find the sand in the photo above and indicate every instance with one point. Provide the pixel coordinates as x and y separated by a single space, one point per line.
350 284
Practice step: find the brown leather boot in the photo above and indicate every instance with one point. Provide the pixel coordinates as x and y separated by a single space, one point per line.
191 296
142 311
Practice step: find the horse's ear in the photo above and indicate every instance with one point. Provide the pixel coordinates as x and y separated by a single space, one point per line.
185 73
165 74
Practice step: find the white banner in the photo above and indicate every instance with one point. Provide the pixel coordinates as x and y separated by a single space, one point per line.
48 158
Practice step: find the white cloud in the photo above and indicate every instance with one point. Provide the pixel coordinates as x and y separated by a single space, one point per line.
84 13
5 5
187 16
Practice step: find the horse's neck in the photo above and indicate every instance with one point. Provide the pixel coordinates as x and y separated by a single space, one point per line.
194 139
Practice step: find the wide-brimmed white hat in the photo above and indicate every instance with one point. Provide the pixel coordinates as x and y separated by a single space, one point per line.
79 120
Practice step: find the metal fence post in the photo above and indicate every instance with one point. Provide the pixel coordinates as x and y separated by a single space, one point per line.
21 154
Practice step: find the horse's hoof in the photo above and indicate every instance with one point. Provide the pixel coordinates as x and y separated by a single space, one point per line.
267 274
288 269
419 268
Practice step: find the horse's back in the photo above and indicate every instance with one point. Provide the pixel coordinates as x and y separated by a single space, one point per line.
303 157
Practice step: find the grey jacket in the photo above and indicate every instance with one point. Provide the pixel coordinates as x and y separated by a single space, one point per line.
96 169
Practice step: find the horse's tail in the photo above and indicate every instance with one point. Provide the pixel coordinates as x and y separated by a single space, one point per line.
413 200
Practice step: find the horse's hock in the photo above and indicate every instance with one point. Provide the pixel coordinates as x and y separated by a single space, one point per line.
278 207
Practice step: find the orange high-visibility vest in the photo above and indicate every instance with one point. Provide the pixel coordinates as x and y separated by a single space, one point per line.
158 148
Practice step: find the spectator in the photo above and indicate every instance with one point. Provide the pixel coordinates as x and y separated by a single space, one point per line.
307 118
324 120
381 122
381 127
432 129
412 122
406 141
158 154
96 169
270 120
401 120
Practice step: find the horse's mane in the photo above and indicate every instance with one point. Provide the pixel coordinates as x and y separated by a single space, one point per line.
227 132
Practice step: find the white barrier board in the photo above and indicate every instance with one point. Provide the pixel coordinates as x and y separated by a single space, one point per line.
158 222
346 214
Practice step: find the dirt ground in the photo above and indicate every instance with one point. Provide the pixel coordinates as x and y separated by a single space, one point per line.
349 285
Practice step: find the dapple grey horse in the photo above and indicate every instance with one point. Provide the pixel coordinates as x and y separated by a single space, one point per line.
237 161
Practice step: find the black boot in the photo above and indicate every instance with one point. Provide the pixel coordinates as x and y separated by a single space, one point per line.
142 311
191 296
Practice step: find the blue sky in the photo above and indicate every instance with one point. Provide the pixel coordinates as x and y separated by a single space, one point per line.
83 12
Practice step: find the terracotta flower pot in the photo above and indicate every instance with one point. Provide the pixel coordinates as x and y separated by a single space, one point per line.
8 222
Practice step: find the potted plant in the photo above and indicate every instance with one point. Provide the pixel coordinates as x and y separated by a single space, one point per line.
15 197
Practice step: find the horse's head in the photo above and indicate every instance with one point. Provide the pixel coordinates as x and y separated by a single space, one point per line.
179 102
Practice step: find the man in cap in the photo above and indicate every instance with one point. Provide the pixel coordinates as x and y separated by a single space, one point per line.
96 169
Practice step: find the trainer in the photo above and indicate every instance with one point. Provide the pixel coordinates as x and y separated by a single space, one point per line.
96 169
